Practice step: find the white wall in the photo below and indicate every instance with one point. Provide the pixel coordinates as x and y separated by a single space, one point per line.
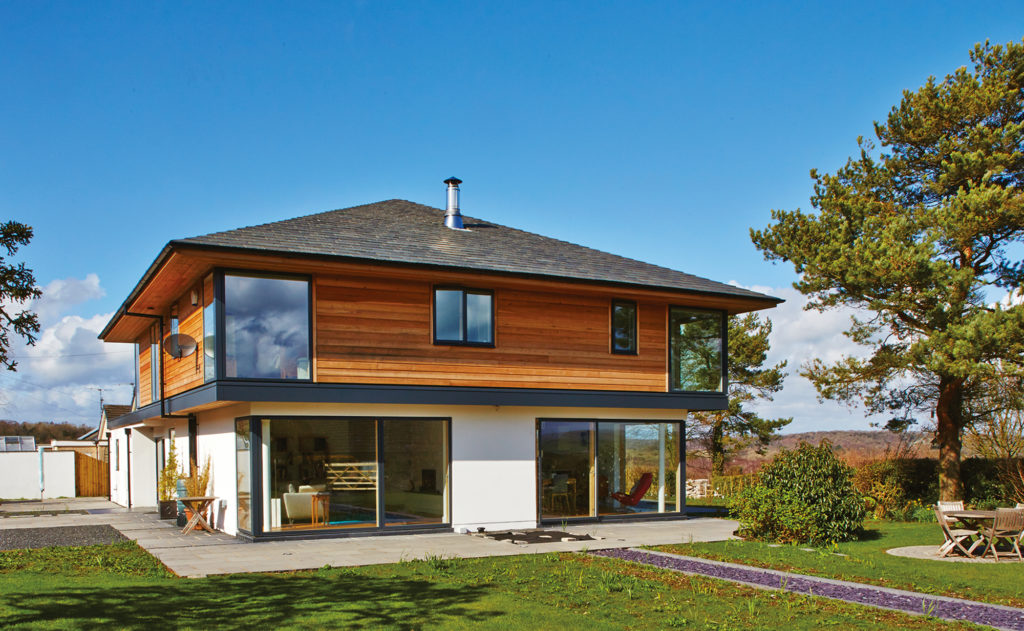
19 475
216 439
142 461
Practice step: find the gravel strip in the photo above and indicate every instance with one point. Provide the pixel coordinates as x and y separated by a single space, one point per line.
910 602
19 538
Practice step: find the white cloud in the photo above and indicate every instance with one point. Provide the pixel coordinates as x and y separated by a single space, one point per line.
62 294
799 336
58 378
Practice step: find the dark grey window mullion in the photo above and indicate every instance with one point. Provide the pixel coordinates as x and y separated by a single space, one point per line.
379 428
255 481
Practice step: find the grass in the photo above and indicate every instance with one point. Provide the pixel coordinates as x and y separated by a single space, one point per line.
867 562
121 586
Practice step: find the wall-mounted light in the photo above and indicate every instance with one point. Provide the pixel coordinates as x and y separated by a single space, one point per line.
195 297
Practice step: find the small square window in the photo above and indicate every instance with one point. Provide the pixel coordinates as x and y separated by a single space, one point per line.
464 316
624 327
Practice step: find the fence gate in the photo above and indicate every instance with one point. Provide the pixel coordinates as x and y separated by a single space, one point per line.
92 477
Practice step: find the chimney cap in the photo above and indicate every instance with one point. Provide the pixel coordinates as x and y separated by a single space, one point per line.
453 180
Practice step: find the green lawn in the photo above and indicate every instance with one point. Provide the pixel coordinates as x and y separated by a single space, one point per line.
867 562
121 586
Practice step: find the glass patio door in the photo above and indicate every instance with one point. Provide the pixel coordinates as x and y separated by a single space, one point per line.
566 468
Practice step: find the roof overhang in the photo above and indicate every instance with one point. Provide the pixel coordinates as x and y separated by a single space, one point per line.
181 264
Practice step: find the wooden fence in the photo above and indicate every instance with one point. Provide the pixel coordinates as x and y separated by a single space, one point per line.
92 477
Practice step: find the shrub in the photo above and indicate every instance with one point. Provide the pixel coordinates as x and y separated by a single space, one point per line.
804 495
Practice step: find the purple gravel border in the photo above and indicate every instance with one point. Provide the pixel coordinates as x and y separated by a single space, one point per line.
940 607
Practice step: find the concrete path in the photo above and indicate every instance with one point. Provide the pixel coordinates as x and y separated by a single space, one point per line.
931 553
205 554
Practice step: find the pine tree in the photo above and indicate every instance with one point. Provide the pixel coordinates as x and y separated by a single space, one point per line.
17 286
920 235
749 380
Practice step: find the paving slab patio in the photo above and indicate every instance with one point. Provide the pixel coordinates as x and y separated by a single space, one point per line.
206 554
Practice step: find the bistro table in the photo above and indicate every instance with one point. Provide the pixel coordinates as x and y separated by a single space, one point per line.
198 506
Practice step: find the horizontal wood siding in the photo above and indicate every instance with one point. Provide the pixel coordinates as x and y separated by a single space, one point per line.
378 330
145 391
185 373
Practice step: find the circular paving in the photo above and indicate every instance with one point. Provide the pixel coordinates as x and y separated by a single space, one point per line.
931 553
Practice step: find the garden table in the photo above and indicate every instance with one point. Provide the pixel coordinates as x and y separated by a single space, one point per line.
198 505
973 519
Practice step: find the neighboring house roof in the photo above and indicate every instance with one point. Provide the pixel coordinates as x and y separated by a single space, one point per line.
110 412
399 231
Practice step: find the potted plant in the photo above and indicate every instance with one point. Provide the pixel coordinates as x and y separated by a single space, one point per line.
167 483
196 484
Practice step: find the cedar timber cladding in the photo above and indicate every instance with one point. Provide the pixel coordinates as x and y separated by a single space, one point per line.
378 330
145 389
185 373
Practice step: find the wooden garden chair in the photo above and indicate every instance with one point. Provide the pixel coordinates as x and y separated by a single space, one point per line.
949 507
1007 526
953 538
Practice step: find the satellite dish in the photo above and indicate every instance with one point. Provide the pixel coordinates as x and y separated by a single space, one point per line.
179 345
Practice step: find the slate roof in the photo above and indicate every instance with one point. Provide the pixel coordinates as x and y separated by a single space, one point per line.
113 411
399 231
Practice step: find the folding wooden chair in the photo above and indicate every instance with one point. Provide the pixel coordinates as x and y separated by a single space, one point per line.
948 507
1008 526
953 538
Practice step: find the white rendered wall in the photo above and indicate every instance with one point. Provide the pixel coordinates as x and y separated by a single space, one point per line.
19 475
142 461
216 439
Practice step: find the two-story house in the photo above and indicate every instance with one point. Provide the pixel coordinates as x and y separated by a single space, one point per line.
395 367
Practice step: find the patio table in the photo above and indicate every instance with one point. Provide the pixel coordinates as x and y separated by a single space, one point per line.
973 519
198 505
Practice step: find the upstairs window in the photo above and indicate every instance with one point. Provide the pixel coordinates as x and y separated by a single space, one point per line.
696 350
464 316
266 327
624 327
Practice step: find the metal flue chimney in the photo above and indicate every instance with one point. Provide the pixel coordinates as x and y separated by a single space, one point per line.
452 217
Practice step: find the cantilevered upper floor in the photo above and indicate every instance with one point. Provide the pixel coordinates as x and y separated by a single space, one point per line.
385 302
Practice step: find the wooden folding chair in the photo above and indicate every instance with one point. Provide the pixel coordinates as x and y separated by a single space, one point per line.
953 538
1008 526
948 507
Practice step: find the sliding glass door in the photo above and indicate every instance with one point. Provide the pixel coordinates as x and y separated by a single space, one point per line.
344 473
566 461
591 468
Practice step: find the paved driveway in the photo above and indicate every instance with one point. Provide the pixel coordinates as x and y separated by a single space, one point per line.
204 554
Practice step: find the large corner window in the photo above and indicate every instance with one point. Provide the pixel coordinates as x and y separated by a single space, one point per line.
266 327
696 350
209 339
463 316
624 327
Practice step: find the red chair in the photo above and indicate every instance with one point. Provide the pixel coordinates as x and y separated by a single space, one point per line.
637 493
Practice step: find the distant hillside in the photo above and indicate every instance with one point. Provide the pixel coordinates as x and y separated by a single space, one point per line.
853 446
43 432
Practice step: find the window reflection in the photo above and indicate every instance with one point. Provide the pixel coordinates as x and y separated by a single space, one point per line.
696 350
266 327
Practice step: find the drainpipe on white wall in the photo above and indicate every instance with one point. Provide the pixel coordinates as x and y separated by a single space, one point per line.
42 480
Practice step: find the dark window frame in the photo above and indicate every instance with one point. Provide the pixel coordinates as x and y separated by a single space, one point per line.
463 342
636 333
221 324
724 347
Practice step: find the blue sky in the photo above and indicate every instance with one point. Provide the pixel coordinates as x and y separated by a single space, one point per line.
660 131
